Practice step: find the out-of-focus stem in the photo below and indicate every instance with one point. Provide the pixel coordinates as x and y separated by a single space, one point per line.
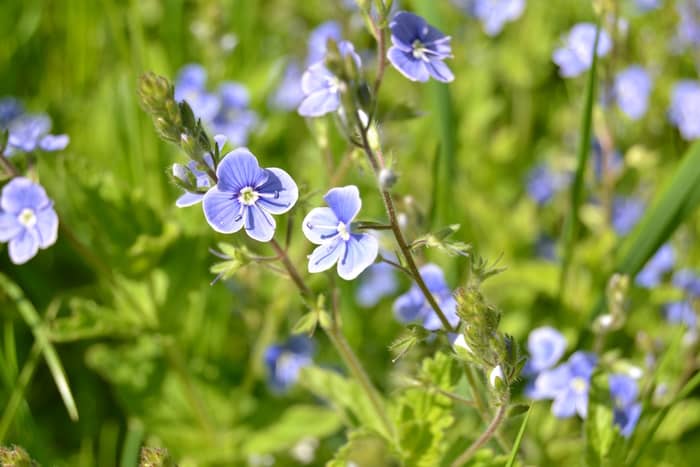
485 436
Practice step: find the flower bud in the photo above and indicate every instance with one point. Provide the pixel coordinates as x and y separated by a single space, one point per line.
387 179
496 378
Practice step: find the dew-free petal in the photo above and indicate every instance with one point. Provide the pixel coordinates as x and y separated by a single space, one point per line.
281 190
259 224
188 199
409 306
345 202
223 212
239 169
319 225
23 247
319 103
22 193
9 226
46 227
415 70
326 255
360 252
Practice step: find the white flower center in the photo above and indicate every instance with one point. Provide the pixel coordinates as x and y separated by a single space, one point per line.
343 231
27 218
419 50
579 384
248 196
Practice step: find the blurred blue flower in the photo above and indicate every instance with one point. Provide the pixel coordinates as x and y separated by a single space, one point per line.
322 88
419 49
546 247
662 262
685 108
494 14
246 195
377 282
288 95
546 346
543 183
648 5
626 409
681 312
29 132
615 164
10 109
632 88
576 56
27 219
688 280
689 25
567 384
203 182
626 212
190 86
284 361
331 228
318 40
234 119
412 306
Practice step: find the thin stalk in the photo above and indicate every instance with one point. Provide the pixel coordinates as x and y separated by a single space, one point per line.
485 436
377 165
8 166
336 337
481 404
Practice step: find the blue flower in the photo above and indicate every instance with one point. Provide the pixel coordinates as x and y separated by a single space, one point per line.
689 26
567 385
233 119
318 40
288 95
685 108
632 87
331 228
413 307
190 86
681 312
626 212
659 264
543 183
546 346
322 88
615 164
202 180
27 219
577 54
689 281
30 132
246 195
648 5
419 49
10 109
377 282
284 361
494 14
626 409
546 247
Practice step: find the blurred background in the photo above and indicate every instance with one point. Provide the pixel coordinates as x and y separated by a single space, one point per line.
152 352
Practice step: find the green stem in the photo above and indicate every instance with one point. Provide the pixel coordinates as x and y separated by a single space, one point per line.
485 436
481 404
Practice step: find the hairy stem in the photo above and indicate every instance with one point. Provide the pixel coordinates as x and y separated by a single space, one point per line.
481 404
485 436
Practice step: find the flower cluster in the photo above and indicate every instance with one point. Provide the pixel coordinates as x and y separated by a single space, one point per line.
284 361
27 132
576 56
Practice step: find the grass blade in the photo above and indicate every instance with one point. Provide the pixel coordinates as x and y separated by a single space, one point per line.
31 317
572 221
519 438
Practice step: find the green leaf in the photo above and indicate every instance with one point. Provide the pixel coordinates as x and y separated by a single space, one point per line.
295 424
306 324
32 319
88 320
519 438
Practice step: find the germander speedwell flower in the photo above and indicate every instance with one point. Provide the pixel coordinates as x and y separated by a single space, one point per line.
246 195
419 49
331 228
27 219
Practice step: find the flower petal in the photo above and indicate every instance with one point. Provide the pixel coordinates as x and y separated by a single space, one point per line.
408 307
412 68
188 199
239 169
9 226
282 190
222 211
564 405
448 306
23 247
360 252
434 278
259 224
319 103
54 142
406 28
326 255
440 71
345 202
47 227
319 225
22 193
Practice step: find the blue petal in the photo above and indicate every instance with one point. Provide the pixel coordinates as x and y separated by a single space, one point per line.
239 169
233 95
565 404
319 38
345 202
222 211
22 193
319 225
9 226
316 78
409 306
360 252
551 382
319 103
406 28
448 306
259 224
220 143
546 346
54 142
412 68
434 278
188 199
623 389
440 71
23 247
279 193
582 364
46 227
326 255
378 282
